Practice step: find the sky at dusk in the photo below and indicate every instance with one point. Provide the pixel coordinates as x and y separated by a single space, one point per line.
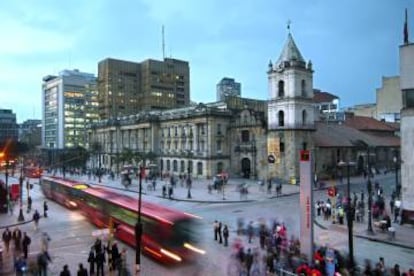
352 44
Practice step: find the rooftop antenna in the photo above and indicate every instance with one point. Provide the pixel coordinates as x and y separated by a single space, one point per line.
288 25
163 43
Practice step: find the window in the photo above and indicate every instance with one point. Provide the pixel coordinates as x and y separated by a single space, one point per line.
281 118
304 145
219 129
245 136
182 166
175 166
219 145
281 89
282 147
303 88
199 168
168 165
304 115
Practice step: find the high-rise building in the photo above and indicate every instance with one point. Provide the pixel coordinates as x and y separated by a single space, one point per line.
8 125
69 102
126 88
30 132
228 87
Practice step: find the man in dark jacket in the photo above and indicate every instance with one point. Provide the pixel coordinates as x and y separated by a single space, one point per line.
82 271
7 236
25 243
100 261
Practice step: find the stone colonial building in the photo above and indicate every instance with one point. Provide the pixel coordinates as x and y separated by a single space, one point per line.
203 140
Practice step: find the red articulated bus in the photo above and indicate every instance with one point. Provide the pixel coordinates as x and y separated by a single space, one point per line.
32 172
169 236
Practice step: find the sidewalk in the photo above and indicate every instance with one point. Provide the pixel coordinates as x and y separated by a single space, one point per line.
199 189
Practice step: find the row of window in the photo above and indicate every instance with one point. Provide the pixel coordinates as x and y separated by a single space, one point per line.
281 88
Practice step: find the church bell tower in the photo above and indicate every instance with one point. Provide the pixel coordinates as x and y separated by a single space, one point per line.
291 112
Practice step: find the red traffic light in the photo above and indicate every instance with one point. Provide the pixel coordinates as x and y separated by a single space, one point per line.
331 191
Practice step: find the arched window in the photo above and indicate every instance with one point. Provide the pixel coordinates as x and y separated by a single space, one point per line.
304 115
281 118
182 166
162 164
199 168
175 166
303 88
168 165
281 89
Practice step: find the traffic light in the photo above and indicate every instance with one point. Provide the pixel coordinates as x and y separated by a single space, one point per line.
331 191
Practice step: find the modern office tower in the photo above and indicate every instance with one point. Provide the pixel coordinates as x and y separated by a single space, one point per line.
126 88
67 101
228 87
8 126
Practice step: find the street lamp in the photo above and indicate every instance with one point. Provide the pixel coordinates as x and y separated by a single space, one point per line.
349 213
397 186
369 188
138 227
21 217
189 183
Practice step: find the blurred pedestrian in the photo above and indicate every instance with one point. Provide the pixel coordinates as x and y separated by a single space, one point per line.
91 261
29 204
7 236
17 238
226 235
45 208
100 261
82 271
20 266
43 259
215 225
396 270
65 271
220 236
36 218
45 239
25 244
250 231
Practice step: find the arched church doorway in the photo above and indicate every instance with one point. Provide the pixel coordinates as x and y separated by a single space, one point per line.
245 167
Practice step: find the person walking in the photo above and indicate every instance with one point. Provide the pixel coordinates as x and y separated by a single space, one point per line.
17 238
226 235
7 236
82 271
215 225
36 218
25 244
219 232
43 259
45 239
65 271
29 204
45 208
100 261
91 261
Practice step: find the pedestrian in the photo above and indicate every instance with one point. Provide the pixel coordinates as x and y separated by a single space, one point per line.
91 261
25 244
29 204
249 260
45 239
397 206
220 236
43 260
226 235
65 271
396 271
45 209
82 271
115 256
7 236
20 266
100 261
170 192
215 225
250 231
17 238
36 218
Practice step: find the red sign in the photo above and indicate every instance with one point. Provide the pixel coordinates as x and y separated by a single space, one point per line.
304 155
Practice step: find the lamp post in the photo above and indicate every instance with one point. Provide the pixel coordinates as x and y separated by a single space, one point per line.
6 176
189 183
397 186
369 188
21 217
138 228
349 213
